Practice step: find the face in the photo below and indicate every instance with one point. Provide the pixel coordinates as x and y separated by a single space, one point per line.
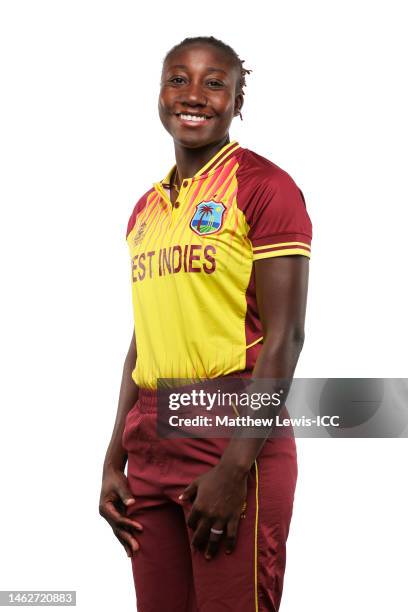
198 97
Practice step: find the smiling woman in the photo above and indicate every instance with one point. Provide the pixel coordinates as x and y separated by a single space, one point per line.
214 77
219 253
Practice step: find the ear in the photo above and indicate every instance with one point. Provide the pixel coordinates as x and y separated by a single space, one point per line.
239 103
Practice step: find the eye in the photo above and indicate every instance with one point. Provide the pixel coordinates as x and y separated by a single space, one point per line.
176 80
215 83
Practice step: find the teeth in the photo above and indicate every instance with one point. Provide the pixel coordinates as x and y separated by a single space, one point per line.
192 117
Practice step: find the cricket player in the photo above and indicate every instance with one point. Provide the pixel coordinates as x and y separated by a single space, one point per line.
219 255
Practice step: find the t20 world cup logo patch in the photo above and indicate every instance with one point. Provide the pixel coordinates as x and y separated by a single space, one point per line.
208 218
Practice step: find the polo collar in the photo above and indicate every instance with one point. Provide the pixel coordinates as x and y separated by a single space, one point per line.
209 168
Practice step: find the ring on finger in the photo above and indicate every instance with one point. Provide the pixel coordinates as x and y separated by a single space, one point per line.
217 531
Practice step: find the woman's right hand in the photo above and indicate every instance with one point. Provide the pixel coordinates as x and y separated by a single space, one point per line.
114 499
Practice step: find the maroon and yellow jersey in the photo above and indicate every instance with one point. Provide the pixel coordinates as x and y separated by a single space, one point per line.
192 264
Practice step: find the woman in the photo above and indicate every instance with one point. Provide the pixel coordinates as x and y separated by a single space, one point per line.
219 250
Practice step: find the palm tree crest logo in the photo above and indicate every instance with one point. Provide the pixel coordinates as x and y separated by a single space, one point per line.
207 218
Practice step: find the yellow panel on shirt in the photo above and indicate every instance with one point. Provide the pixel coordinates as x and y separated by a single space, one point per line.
192 274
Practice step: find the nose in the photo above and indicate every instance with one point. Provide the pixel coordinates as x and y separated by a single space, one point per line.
193 94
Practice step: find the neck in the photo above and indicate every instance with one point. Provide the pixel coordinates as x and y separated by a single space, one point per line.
189 161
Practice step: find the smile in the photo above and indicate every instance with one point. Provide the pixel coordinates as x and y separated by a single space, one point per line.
185 117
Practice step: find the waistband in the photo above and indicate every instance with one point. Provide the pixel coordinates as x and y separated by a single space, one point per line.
147 400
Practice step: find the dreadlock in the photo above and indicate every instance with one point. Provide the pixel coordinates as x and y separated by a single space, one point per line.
219 44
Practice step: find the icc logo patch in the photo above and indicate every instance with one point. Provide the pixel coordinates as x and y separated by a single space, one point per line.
208 218
139 234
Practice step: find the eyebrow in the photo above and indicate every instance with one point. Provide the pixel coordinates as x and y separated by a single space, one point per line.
209 69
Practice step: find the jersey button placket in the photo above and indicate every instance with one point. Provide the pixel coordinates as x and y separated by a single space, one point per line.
175 209
181 196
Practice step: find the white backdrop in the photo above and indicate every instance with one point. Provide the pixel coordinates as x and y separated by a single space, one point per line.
80 142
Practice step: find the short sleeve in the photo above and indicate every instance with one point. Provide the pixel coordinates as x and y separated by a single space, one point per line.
140 204
278 220
131 222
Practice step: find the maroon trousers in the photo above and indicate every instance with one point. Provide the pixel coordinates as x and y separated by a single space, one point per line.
169 574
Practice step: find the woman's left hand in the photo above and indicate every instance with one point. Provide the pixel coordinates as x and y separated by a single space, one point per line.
218 498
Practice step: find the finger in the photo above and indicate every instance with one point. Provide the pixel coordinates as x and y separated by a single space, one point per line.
112 515
201 534
130 525
214 540
125 495
126 547
125 537
231 534
130 544
189 492
193 518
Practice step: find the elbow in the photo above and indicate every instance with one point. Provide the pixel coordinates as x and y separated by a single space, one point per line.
298 338
290 341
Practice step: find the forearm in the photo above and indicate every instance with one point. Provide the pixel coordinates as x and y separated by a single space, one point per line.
275 361
116 456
